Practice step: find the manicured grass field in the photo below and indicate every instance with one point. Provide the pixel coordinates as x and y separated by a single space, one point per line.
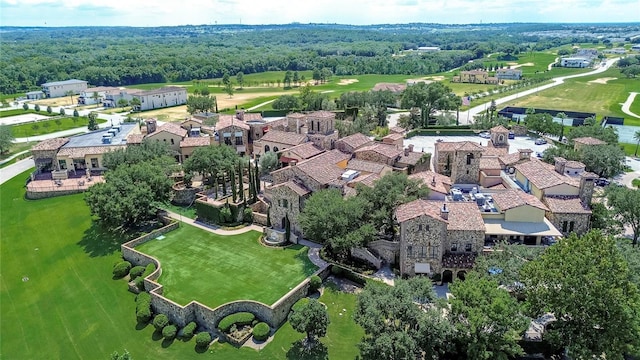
14 112
50 126
227 268
71 308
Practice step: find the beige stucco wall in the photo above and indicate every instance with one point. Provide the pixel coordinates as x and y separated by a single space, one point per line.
562 189
524 213
167 137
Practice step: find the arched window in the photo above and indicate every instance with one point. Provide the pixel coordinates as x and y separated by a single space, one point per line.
275 149
469 158
172 142
267 148
501 138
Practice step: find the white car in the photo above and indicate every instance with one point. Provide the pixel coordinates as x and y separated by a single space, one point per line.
540 141
485 135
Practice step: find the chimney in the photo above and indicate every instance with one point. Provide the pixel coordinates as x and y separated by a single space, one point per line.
151 125
406 152
524 153
410 147
240 114
587 183
444 212
560 163
293 162
433 181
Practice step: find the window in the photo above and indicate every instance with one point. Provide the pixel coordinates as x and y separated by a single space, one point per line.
275 149
266 148
454 247
172 142
238 140
409 251
564 226
469 158
423 251
468 247
62 164
571 224
434 252
285 203
94 163
420 227
279 202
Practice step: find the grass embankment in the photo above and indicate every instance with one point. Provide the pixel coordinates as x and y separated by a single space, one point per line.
14 112
50 126
60 302
228 268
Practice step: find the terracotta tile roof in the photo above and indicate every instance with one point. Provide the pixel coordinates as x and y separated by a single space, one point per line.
81 152
195 141
497 187
369 180
321 169
306 150
349 192
284 137
297 188
540 175
575 164
495 151
499 129
458 145
589 141
412 158
296 115
252 117
511 199
225 121
464 216
417 208
322 114
490 163
386 150
192 120
365 166
397 129
434 181
135 139
50 144
356 140
566 205
171 128
393 137
511 159
470 146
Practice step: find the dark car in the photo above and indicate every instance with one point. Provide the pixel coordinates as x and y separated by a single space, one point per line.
602 182
512 135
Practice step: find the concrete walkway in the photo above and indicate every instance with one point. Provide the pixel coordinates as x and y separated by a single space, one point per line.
314 253
212 228
13 157
627 105
14 170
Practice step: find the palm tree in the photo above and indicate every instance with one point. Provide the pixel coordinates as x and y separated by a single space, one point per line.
70 95
636 137
561 116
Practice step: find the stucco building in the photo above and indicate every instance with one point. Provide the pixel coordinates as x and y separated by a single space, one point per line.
56 89
160 98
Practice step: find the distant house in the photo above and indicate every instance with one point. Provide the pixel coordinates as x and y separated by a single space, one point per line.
111 97
475 77
575 62
582 142
34 95
160 98
428 48
62 88
618 51
95 95
171 134
509 74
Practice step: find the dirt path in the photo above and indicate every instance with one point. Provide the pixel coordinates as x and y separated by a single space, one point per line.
627 105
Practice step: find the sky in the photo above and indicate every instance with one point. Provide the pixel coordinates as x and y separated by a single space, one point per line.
357 12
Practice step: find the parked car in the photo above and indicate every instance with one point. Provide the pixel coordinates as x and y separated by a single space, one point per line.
548 240
540 141
485 135
602 182
539 155
512 135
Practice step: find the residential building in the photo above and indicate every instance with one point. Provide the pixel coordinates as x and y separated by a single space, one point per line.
160 98
349 144
189 144
460 160
439 185
96 95
275 140
34 95
509 74
582 142
475 77
575 62
169 133
112 97
320 129
299 153
234 132
56 89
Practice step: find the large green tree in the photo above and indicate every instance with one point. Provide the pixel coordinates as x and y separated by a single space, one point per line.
488 319
154 151
268 162
211 161
625 206
286 102
93 121
200 103
429 98
402 321
604 160
607 134
6 138
584 282
312 319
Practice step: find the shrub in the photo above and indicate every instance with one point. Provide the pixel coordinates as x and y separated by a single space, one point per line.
261 331
160 321
239 319
139 281
437 277
203 339
315 283
121 269
300 304
151 267
136 271
336 270
143 315
187 331
36 107
247 215
169 332
225 215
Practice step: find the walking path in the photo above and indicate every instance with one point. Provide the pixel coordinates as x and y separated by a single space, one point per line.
261 105
314 253
14 170
13 157
627 105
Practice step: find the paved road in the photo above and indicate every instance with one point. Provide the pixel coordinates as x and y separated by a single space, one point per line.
13 170
627 105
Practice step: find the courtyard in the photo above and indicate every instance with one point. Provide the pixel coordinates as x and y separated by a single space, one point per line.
213 269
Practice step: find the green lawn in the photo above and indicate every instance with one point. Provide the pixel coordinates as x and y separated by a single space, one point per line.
14 112
228 268
189 212
50 126
71 308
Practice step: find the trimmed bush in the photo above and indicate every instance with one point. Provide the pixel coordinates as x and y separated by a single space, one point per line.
261 331
336 270
225 215
247 215
136 271
121 269
238 319
300 304
187 331
160 321
143 315
143 307
203 339
315 283
139 281
169 332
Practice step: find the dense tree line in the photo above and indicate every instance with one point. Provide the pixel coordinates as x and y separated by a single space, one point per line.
128 56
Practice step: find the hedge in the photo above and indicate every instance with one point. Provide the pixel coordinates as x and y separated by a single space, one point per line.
151 267
261 331
187 331
136 271
203 339
241 319
314 283
439 132
169 332
121 269
212 214
300 304
160 321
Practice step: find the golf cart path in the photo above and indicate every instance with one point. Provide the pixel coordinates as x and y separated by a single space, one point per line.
627 105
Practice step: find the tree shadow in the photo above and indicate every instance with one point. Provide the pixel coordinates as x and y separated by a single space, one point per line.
167 342
141 325
157 335
300 350
200 349
98 241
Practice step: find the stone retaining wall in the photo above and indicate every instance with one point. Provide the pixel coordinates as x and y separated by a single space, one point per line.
35 195
203 315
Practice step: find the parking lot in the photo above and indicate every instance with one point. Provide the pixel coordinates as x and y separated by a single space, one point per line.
427 143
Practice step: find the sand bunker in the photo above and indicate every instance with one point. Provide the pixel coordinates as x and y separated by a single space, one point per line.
602 80
519 65
347 81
